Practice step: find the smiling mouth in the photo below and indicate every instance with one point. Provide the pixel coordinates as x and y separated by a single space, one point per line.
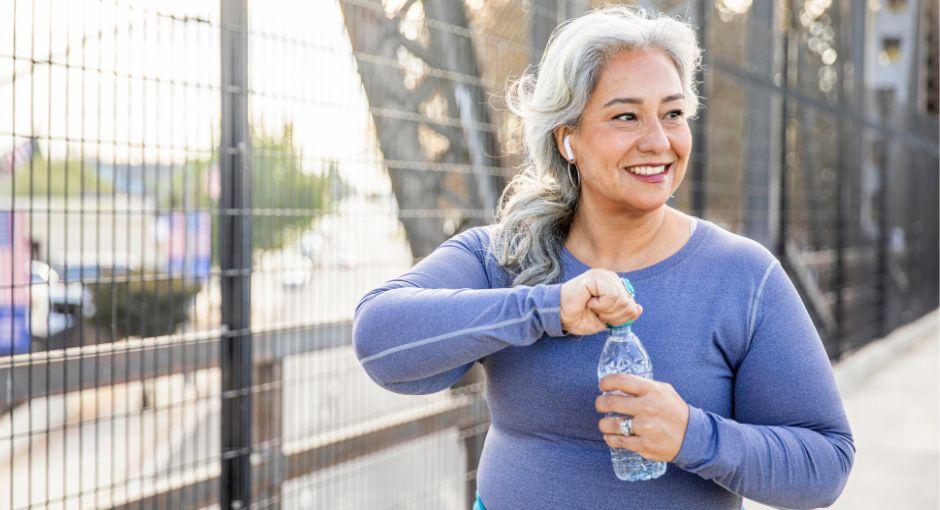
650 170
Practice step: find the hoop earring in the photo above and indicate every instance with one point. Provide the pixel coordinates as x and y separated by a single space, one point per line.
571 180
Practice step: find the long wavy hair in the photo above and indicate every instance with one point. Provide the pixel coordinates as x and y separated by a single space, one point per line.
537 207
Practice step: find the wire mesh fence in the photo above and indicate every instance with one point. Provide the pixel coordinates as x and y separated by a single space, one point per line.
195 195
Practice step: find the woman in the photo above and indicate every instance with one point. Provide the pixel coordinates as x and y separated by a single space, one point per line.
744 402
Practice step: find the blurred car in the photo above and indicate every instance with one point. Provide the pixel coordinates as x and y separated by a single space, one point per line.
65 296
311 244
340 256
56 306
347 258
294 267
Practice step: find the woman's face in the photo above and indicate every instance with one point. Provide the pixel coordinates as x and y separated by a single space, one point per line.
633 124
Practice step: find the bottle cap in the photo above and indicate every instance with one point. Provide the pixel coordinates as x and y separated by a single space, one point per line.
630 290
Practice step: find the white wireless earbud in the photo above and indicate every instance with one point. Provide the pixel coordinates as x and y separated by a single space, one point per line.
568 148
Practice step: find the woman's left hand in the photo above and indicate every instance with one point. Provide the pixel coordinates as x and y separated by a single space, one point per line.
660 416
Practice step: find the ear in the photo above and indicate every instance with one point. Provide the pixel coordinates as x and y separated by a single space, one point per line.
560 133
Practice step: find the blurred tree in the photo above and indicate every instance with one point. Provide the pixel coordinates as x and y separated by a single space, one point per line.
284 196
56 177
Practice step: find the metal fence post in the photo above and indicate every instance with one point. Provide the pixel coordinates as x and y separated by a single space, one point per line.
235 258
761 189
781 248
838 346
699 138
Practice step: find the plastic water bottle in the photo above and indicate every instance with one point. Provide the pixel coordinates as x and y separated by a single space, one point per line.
624 354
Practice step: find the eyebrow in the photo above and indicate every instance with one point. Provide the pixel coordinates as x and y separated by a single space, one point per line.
633 100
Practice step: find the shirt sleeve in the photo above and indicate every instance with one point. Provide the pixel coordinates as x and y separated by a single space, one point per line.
421 332
789 444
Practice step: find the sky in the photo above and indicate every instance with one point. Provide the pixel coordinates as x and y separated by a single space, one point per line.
146 83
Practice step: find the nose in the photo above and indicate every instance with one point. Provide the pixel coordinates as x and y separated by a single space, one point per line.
654 140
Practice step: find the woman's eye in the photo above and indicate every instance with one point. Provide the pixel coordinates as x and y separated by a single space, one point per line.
626 116
675 114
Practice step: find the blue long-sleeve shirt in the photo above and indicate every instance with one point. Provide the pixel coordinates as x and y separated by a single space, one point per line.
722 323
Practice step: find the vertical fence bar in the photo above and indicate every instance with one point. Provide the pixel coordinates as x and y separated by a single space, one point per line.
540 28
842 194
235 259
884 223
699 138
760 189
788 20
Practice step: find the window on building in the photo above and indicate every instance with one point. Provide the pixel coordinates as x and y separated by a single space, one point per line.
890 51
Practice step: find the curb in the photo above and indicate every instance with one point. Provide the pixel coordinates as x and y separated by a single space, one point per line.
853 371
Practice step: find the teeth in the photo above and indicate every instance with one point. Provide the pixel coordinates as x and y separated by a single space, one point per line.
648 170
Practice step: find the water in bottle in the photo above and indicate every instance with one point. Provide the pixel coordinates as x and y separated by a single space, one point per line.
624 354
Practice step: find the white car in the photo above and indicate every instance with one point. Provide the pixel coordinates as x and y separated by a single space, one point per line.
311 244
347 258
294 267
55 305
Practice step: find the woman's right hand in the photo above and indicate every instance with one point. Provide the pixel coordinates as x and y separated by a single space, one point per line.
593 299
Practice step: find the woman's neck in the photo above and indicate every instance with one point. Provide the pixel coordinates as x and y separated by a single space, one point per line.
621 242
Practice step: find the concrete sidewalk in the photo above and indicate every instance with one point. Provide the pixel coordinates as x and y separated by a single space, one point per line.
891 391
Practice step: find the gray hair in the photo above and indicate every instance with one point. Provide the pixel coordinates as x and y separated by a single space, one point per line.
537 207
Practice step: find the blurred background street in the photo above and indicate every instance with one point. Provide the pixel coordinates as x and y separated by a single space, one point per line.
195 194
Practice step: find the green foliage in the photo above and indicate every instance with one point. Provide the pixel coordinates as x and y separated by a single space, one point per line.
186 186
143 308
284 196
56 178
